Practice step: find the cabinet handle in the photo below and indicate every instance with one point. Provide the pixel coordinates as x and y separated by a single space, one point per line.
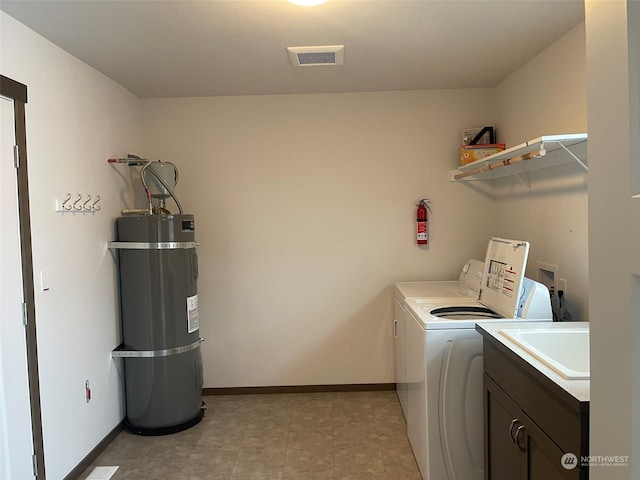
521 428
395 328
514 422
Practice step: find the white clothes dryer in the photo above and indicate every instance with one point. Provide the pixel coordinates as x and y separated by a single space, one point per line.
444 362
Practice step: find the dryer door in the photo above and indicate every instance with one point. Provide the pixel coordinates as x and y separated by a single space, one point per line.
459 403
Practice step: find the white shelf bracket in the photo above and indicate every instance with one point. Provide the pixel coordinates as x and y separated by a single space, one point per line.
525 183
575 157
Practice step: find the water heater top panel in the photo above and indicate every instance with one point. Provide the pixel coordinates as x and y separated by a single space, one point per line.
156 228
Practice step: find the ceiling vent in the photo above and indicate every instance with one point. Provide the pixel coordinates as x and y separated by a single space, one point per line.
315 56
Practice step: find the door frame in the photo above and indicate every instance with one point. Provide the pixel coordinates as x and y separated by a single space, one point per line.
18 93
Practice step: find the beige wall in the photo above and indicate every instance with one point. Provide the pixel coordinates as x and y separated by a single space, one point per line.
305 208
76 118
547 96
304 204
613 75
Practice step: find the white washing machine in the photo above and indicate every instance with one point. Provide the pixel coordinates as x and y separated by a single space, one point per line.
444 362
466 287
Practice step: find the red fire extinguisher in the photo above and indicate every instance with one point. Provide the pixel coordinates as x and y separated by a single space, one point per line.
422 222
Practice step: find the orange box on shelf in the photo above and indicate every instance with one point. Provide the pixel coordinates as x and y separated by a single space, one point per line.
471 153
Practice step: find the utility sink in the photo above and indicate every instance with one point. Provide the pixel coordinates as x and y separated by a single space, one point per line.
566 351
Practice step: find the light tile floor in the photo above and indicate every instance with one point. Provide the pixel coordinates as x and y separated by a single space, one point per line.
298 436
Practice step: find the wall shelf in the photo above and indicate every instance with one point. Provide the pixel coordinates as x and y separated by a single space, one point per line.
542 152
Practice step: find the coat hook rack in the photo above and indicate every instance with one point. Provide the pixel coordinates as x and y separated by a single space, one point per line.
77 203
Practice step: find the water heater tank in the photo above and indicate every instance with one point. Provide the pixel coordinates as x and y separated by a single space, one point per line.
158 271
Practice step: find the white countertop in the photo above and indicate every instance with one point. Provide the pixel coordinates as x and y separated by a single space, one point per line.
580 389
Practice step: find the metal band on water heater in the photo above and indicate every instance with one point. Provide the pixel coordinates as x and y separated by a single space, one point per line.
123 352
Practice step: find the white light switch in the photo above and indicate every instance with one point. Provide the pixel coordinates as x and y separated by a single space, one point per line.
44 280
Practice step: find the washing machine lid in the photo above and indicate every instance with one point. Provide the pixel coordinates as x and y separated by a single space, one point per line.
503 275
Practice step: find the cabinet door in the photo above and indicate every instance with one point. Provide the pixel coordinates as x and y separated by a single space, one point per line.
543 458
541 465
515 447
502 457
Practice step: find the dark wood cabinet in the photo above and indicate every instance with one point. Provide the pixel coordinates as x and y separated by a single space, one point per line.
530 422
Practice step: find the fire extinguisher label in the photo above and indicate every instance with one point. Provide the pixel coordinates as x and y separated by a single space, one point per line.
422 231
193 317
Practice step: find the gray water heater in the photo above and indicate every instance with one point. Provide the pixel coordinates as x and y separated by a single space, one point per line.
158 272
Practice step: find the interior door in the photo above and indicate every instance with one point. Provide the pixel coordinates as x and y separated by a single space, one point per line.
16 444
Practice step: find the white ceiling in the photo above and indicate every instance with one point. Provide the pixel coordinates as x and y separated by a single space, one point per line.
185 48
